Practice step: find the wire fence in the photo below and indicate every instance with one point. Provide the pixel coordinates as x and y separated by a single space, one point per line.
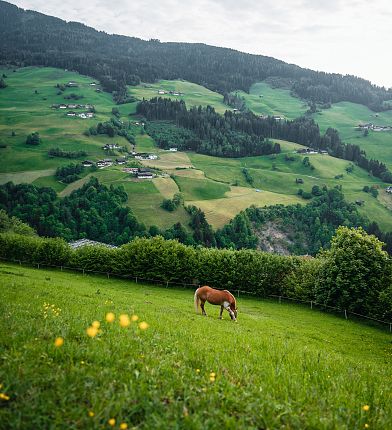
313 304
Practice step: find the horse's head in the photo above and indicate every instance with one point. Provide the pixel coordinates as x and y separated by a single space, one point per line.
233 307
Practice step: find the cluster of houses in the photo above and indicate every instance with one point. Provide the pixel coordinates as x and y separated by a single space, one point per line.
308 151
275 117
71 106
83 115
144 156
106 162
139 172
110 146
373 127
173 93
389 189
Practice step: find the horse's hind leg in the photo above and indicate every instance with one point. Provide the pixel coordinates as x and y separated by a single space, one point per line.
202 307
221 312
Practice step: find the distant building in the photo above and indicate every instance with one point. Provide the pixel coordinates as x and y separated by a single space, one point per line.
144 174
173 149
389 189
87 242
87 163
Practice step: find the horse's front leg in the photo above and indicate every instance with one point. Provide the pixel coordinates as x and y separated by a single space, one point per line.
202 308
221 312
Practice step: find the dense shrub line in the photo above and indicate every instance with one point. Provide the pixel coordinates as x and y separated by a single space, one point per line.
355 274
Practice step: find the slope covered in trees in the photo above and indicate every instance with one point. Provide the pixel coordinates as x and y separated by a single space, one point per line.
31 38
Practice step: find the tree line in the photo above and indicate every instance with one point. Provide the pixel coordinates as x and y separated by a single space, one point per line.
118 61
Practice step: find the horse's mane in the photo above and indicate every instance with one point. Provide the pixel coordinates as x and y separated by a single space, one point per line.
230 295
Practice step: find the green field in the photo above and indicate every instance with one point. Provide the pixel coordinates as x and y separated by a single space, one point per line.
265 100
281 366
346 116
193 94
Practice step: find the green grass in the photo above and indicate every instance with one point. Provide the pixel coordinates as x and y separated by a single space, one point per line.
200 189
193 94
345 116
265 100
280 366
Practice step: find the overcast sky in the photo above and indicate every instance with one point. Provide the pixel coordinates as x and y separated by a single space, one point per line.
344 36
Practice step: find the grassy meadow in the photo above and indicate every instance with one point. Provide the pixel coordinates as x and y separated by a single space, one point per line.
262 99
346 116
192 94
282 366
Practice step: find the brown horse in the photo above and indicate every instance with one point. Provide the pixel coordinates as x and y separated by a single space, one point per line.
223 298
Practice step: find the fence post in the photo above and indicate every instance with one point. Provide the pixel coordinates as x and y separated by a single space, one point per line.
20 263
136 279
167 284
38 265
390 327
238 293
83 271
345 314
106 273
311 304
61 268
280 299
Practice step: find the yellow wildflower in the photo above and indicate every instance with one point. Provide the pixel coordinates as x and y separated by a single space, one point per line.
134 318
112 422
365 407
91 413
123 426
124 320
212 376
59 341
4 396
96 324
197 370
110 317
143 325
92 331
366 426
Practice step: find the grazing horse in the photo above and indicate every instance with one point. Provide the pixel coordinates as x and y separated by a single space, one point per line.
223 298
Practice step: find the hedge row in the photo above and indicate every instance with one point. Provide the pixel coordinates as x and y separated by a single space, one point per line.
164 260
355 274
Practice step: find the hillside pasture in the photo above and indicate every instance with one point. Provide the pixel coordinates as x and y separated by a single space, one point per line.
262 99
346 116
278 367
193 94
220 211
25 107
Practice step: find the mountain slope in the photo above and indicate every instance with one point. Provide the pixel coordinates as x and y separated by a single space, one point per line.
31 38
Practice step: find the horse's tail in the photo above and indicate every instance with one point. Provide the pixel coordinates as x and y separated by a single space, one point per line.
196 301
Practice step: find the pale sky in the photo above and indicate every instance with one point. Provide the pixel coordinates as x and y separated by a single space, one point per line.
343 36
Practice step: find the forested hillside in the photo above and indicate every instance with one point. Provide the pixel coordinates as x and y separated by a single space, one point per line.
31 38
